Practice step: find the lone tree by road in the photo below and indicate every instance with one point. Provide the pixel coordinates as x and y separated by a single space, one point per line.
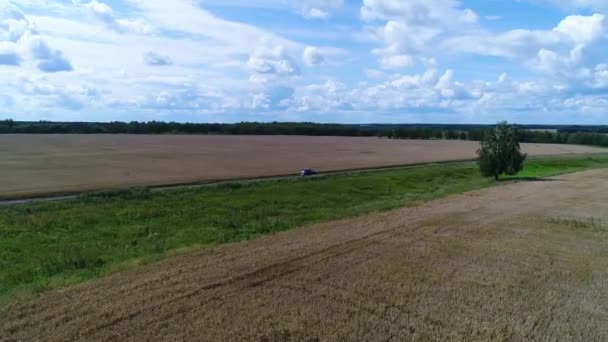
500 152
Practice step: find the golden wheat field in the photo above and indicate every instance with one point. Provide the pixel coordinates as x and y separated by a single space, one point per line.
34 165
523 261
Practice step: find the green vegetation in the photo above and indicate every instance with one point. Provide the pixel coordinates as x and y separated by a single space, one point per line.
45 245
500 152
580 135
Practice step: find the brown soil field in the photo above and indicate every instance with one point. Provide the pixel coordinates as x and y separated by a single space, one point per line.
32 165
523 261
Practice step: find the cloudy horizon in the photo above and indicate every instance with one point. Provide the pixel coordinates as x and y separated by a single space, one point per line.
346 61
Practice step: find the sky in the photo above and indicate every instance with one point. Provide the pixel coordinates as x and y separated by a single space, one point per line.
343 61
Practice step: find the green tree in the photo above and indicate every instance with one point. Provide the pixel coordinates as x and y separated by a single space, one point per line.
9 123
500 152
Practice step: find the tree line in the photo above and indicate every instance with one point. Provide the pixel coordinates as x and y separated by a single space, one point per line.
158 127
582 135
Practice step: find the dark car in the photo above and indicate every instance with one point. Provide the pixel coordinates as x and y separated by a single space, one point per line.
308 172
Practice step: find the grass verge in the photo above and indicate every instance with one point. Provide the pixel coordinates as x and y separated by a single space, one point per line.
53 244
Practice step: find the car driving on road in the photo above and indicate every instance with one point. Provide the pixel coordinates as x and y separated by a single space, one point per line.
308 172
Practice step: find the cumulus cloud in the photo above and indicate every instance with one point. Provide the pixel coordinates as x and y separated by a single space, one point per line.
188 97
567 54
450 89
8 54
269 63
582 29
410 30
395 61
55 63
564 67
13 23
156 59
272 98
410 27
42 93
571 32
313 56
331 95
418 12
46 58
319 9
423 92
19 40
104 13
600 76
441 95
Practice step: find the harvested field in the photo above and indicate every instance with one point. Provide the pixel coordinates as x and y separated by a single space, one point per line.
32 165
524 261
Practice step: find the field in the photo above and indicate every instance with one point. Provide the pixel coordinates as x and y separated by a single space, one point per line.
48 245
520 261
38 165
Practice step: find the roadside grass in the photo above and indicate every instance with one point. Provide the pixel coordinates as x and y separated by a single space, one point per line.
54 244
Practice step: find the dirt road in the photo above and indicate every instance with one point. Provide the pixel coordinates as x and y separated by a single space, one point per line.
526 261
39 165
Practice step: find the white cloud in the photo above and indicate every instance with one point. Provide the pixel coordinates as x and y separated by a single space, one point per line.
40 92
186 17
312 56
570 32
272 98
212 55
418 12
207 61
46 58
600 76
152 58
104 13
319 9
396 61
562 52
331 95
20 40
269 63
13 24
410 27
8 54
582 29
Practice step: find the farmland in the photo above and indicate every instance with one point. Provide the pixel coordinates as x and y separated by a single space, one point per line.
356 255
48 245
521 261
38 165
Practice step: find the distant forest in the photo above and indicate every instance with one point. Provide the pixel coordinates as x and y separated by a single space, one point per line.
583 135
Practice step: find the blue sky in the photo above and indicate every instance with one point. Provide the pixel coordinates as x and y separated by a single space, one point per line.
349 61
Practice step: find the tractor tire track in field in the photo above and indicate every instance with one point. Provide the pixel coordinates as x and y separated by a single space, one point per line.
500 263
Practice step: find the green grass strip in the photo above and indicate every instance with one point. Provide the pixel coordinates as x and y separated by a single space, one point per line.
52 244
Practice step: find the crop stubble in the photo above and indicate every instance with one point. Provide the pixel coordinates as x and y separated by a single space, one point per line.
38 165
511 262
